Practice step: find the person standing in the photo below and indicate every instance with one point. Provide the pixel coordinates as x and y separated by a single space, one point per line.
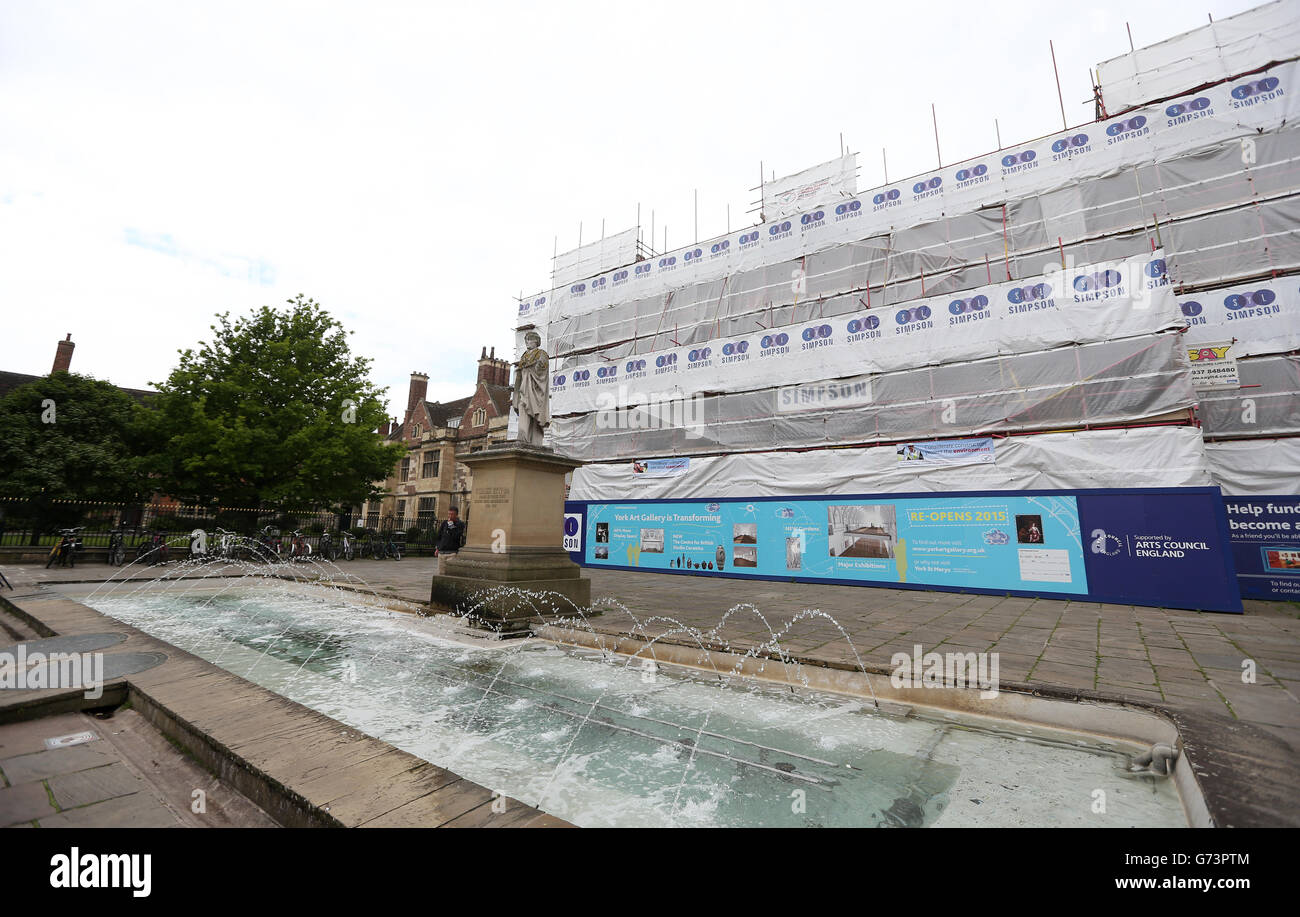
451 536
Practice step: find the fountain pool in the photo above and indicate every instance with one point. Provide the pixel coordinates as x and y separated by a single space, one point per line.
604 740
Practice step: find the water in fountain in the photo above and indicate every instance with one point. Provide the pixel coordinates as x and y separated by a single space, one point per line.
603 739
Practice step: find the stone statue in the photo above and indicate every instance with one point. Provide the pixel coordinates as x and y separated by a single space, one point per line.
532 395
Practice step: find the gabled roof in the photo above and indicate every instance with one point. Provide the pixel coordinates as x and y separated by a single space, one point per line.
10 381
439 413
500 395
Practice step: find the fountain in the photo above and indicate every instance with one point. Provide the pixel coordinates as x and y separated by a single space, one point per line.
684 730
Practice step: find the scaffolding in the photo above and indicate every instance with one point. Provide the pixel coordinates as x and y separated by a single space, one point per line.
1054 285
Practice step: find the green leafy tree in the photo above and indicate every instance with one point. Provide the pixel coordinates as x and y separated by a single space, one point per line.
274 411
68 437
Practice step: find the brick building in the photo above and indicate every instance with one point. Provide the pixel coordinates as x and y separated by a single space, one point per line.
428 480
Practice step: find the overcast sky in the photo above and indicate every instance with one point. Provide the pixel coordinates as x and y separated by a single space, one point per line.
410 165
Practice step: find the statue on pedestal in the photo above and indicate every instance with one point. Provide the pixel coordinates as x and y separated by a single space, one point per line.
514 570
532 395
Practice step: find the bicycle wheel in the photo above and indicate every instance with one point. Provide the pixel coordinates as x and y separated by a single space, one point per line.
348 553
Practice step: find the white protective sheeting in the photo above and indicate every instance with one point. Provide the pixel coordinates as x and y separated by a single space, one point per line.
1153 457
1102 384
1263 316
1214 52
1249 467
532 311
1087 304
831 181
595 257
1224 218
1262 101
1267 403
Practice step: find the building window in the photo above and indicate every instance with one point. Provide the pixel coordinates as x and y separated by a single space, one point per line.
480 417
419 430
406 469
432 463
372 519
401 514
427 513
453 423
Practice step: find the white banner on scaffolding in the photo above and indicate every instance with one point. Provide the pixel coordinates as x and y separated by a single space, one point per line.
1261 317
614 251
532 311
1096 302
1212 52
1237 109
829 182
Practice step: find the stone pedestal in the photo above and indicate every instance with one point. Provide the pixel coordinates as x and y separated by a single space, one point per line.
512 567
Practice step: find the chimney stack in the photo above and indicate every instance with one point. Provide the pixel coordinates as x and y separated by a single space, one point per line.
419 388
493 371
63 355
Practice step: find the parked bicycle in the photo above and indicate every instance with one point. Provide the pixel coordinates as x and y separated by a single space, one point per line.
268 545
225 545
395 545
331 551
346 548
117 547
65 552
153 549
299 547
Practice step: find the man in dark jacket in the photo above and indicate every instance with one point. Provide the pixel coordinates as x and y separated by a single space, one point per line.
451 533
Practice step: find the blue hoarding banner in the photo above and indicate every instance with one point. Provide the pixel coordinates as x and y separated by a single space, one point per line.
1147 547
1265 535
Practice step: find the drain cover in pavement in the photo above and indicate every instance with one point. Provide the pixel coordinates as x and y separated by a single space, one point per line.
77 738
119 664
82 670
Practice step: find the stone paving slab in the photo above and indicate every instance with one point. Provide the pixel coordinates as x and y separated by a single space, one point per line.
25 802
95 785
120 812
448 802
53 762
